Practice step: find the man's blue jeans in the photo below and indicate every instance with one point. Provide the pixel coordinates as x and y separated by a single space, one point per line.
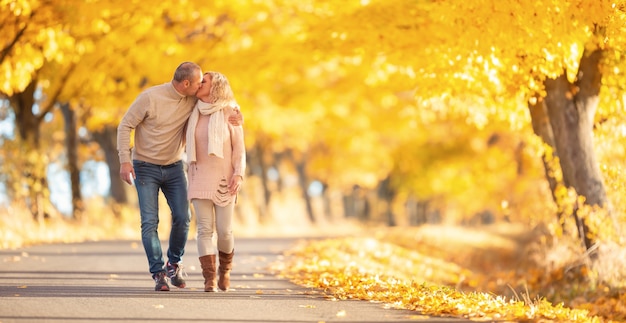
171 180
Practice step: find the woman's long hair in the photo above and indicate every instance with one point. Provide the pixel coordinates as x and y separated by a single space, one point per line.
221 93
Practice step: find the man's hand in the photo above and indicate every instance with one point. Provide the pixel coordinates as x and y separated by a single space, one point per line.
127 172
236 118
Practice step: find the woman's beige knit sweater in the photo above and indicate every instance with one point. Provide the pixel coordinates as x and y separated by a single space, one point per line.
209 176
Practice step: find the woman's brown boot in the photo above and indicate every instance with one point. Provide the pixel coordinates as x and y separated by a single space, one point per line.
226 264
208 272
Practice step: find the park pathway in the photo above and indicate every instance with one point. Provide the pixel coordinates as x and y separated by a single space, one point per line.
108 282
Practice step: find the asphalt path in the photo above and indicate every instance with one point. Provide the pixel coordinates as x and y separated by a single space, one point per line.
109 282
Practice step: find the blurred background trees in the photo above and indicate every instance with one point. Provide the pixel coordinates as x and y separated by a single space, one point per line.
389 112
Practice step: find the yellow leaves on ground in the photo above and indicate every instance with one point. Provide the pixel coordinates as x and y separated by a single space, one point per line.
615 307
413 278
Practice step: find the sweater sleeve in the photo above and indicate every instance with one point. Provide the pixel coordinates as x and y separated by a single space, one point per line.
133 117
239 150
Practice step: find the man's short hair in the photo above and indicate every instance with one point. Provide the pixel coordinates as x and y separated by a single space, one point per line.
185 71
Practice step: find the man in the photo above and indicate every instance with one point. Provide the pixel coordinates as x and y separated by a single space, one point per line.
159 116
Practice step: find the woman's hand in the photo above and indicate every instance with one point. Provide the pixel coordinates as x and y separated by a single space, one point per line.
235 184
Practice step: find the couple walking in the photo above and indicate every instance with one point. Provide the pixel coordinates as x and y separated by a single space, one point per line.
196 113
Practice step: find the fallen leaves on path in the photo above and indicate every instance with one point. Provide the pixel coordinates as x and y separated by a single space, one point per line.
371 269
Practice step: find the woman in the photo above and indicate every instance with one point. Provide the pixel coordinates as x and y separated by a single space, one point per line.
217 162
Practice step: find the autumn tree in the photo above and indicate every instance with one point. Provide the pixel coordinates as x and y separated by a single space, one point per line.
29 40
89 59
496 50
417 100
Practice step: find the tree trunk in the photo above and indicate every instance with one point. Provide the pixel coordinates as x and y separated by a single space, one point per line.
348 206
71 143
106 138
304 184
386 193
541 127
356 204
327 202
571 109
267 193
257 166
35 162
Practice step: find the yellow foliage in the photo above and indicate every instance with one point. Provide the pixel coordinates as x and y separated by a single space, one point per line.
368 269
429 93
377 78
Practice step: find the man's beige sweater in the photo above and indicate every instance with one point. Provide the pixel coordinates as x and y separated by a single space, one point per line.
159 116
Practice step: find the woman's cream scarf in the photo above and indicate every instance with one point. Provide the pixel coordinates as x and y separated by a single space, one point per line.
216 127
